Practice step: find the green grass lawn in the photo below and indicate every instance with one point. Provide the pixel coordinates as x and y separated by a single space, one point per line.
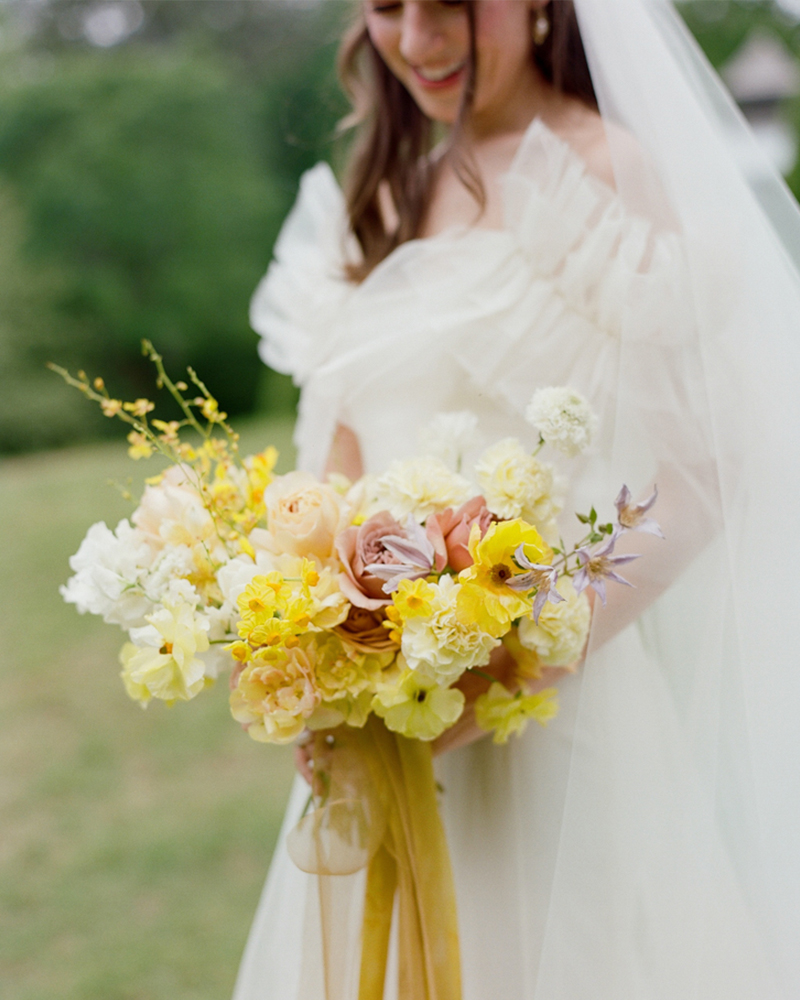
133 844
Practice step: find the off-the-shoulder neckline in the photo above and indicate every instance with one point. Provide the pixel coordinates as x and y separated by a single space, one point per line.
537 131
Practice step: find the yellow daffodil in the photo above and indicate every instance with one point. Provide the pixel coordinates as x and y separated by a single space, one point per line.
414 599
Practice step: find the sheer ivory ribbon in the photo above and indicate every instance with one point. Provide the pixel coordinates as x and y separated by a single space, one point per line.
380 813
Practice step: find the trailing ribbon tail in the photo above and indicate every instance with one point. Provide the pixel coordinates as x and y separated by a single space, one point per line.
380 813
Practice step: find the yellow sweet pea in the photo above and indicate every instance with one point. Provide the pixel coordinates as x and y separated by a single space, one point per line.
417 707
506 713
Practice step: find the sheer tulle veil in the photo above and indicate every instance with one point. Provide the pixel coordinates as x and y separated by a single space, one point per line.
706 897
650 838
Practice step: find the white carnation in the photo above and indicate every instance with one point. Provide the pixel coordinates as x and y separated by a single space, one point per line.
449 436
441 646
515 484
109 569
420 487
560 636
563 418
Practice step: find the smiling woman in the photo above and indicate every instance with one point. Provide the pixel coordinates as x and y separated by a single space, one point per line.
543 195
411 68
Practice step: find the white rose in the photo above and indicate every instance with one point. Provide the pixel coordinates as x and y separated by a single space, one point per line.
303 515
560 636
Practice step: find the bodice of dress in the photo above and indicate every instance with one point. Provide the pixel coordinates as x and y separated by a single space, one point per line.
469 319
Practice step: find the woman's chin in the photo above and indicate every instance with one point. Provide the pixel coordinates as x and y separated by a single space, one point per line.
438 106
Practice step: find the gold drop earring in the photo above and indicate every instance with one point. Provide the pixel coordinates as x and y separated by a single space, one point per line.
541 27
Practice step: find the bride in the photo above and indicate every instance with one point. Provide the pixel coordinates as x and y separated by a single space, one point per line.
548 193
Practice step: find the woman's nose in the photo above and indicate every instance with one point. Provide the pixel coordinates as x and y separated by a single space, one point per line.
421 36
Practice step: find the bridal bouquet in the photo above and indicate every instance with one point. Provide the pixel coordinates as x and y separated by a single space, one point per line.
352 607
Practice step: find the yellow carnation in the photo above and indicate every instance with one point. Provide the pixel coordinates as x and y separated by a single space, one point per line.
342 670
507 713
515 484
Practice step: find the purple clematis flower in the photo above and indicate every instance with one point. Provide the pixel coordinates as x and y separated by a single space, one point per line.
630 516
540 576
416 554
597 566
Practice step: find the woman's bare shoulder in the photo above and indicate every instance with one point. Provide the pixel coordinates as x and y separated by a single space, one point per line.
599 143
612 153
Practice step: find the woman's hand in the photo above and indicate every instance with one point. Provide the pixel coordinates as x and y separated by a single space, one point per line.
312 757
304 757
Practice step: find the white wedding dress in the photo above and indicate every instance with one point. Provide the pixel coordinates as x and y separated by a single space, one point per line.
643 845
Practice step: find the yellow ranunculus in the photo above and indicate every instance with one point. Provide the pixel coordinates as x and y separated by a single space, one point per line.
486 597
417 707
273 699
506 713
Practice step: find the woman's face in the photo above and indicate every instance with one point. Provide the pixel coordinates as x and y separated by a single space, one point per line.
425 43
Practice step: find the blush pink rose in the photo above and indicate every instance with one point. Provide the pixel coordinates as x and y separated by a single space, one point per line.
449 532
359 547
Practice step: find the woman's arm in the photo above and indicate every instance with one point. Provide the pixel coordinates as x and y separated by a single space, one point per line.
345 454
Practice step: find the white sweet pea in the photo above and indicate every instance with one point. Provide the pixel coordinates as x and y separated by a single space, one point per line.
109 569
563 418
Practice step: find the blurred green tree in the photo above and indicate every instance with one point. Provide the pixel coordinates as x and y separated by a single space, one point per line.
141 189
144 185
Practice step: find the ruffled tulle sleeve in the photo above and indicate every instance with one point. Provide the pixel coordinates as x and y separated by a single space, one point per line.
305 284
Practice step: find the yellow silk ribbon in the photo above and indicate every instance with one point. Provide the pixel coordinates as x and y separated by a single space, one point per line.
379 812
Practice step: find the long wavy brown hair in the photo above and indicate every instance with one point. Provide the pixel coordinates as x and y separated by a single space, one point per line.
394 138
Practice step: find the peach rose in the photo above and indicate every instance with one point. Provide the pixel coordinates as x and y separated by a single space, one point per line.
449 532
303 515
359 547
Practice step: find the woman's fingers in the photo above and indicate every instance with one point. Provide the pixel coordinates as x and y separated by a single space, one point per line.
304 762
